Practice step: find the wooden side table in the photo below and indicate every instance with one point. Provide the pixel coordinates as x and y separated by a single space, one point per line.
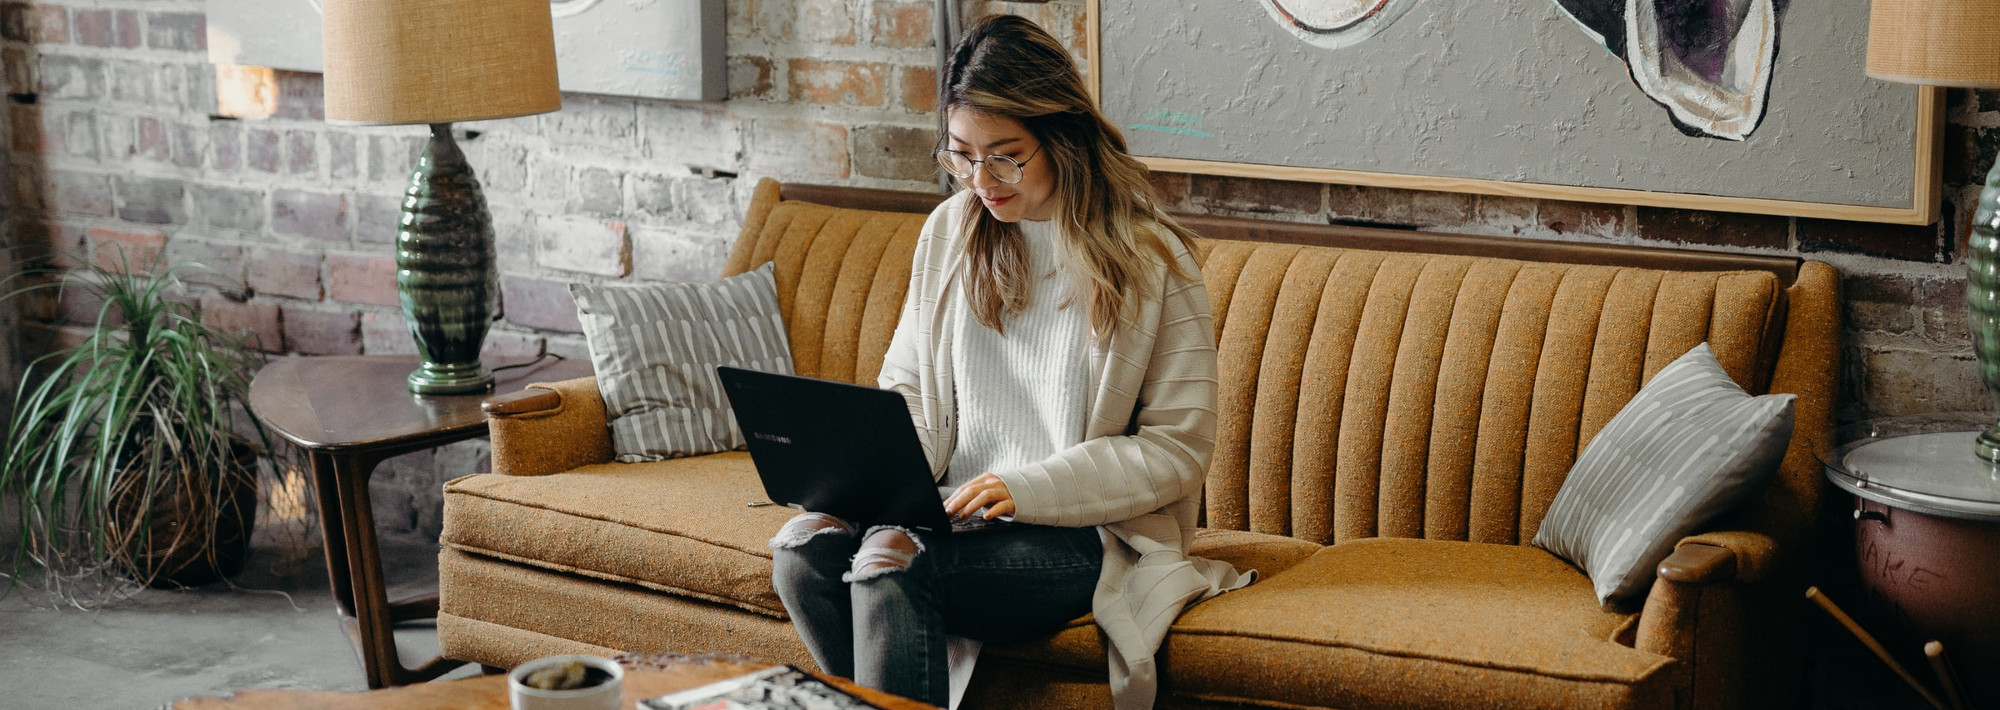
350 413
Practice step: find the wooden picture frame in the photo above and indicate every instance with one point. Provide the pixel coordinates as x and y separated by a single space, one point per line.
1924 187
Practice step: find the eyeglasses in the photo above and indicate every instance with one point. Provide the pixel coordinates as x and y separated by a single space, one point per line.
1000 167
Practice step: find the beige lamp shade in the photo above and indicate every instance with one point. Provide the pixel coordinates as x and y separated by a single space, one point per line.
1935 42
438 61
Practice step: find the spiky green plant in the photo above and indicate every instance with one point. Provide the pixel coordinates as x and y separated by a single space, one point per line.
132 428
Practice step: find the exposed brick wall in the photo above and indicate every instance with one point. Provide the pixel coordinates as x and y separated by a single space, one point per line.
113 147
111 143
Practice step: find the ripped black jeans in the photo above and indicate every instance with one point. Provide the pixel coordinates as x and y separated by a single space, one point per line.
876 606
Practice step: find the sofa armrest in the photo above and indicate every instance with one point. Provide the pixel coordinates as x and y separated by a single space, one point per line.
549 428
528 401
1721 556
1704 570
1699 564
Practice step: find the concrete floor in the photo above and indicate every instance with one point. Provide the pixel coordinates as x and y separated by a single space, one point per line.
277 629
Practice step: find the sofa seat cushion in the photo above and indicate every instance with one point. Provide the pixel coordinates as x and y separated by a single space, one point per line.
1079 645
1268 554
1381 622
679 526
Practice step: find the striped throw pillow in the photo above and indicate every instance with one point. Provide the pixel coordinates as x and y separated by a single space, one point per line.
656 347
1690 446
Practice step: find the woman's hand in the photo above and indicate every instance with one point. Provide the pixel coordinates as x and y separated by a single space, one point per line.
987 491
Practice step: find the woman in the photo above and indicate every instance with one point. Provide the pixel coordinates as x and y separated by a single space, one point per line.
1058 357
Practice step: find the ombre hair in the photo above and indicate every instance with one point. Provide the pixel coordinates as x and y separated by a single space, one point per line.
1106 215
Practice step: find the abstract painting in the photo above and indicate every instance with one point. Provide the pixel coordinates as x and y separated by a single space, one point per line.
1707 61
1336 23
662 49
1670 103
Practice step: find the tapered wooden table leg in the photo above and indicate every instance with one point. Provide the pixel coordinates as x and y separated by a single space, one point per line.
354 564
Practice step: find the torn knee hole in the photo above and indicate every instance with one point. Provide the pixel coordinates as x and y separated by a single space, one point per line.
802 529
885 551
888 538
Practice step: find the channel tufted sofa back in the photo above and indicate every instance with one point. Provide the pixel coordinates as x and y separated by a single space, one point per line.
1368 394
1373 393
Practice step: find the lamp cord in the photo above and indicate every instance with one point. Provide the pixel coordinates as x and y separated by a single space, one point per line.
541 353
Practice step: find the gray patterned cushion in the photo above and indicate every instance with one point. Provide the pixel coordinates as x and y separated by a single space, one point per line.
1687 448
655 348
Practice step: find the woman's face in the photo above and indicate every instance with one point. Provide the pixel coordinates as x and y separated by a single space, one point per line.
981 136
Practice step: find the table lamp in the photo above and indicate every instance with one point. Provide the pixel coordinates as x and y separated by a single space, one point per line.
392 62
1954 43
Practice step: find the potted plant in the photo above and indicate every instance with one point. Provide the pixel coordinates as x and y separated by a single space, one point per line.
123 452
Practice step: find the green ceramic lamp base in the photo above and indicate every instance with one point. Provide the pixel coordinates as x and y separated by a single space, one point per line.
444 378
1982 295
1988 445
445 269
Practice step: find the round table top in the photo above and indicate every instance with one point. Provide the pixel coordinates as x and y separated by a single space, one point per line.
1923 463
364 401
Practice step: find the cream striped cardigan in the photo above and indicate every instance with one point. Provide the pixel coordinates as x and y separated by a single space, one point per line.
1137 475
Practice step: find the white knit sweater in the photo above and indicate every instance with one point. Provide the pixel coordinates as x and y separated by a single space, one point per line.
1022 393
1138 472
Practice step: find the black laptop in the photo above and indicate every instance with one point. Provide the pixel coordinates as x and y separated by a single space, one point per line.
837 448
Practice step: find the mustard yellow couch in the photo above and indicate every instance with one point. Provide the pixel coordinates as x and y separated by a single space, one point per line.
1394 424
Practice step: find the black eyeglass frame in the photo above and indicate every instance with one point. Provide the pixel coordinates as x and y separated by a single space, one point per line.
1020 166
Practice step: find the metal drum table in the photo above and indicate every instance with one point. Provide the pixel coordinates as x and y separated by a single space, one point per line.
1927 537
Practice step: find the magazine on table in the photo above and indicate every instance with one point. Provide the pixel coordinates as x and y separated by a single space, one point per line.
774 688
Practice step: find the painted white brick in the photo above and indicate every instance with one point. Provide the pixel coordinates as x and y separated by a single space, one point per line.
607 124
698 137
708 201
793 149
589 246
681 255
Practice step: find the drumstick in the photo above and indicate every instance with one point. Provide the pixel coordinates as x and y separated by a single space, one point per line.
1814 594
1935 651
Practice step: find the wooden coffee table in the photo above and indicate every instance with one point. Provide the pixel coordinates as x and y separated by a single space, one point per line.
350 413
645 677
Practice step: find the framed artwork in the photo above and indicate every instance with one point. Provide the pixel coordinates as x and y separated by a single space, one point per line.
1756 106
280 34
659 50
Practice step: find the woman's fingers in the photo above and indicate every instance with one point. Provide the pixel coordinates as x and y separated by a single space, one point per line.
979 500
960 499
964 494
986 491
957 502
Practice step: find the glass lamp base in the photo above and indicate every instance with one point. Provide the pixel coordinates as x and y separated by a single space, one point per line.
460 378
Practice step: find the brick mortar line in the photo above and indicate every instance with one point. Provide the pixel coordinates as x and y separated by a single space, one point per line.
85 51
121 4
1847 263
209 180
850 116
858 51
1956 352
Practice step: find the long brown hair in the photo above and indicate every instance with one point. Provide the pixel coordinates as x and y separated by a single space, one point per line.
1106 213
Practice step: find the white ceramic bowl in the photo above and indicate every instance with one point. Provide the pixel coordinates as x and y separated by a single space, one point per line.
603 696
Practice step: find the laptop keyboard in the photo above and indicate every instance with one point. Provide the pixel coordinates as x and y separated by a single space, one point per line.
978 524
